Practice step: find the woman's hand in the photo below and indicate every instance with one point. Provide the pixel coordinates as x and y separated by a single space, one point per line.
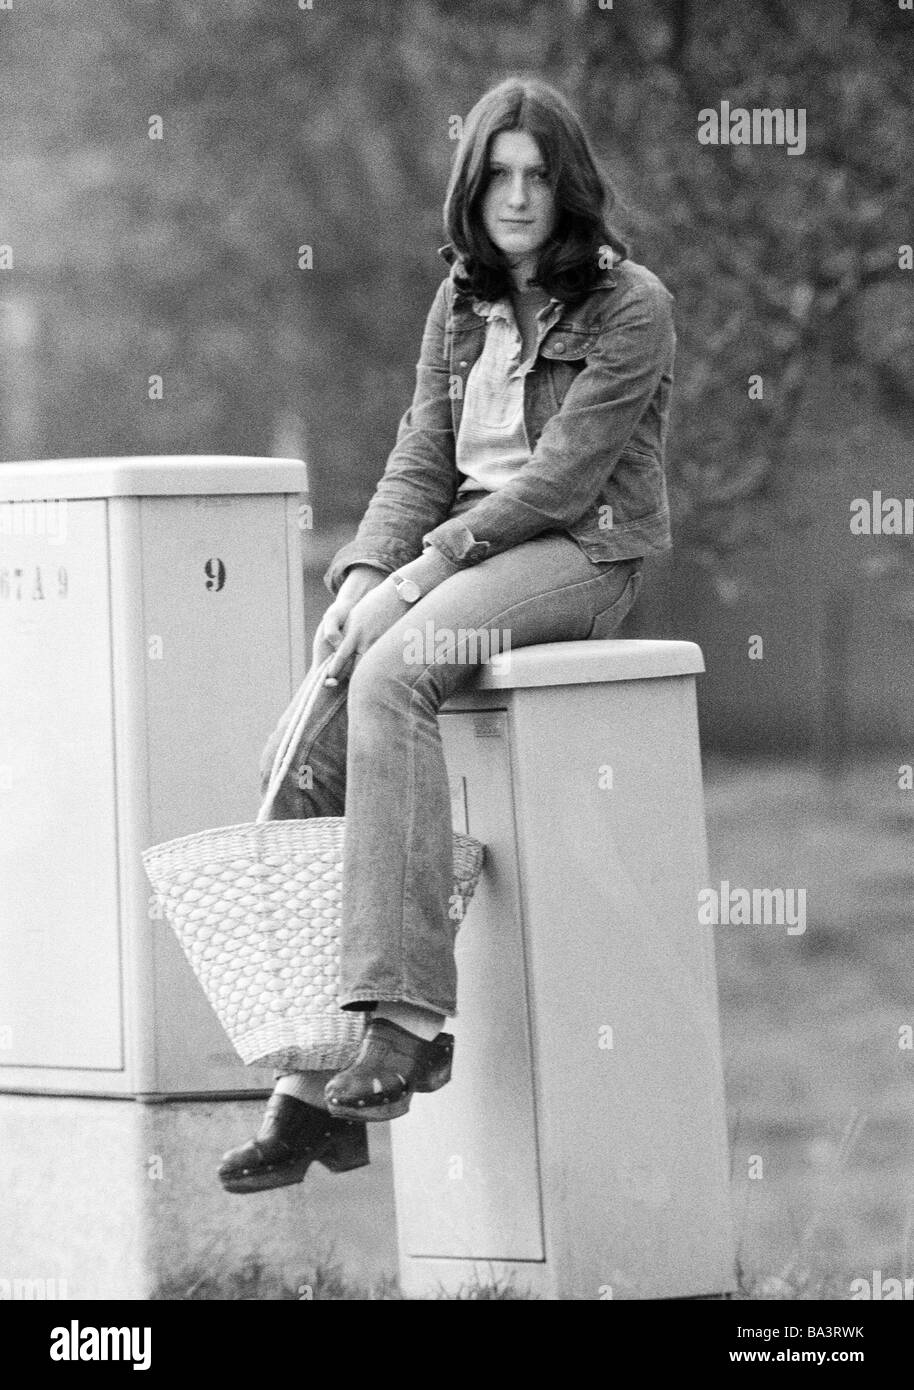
377 608
360 581
368 619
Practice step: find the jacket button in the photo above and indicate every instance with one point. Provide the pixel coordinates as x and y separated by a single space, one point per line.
463 364
559 346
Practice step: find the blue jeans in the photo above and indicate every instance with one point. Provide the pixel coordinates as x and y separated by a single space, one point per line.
374 751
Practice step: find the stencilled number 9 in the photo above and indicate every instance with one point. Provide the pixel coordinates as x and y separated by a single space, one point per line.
215 575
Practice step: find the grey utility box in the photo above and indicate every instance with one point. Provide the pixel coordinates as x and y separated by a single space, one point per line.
580 1150
152 631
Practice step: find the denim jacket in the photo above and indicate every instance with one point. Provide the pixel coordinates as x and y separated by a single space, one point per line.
596 410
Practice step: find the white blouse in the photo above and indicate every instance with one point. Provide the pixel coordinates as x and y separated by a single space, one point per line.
492 441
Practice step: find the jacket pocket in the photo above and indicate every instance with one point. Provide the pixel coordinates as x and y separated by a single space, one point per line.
565 353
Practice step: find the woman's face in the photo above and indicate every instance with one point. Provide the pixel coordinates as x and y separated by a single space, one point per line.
518 209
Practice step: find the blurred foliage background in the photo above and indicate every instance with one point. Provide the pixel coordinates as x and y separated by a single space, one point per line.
330 127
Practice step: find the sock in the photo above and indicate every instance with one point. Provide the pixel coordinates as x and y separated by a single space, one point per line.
305 1085
422 1023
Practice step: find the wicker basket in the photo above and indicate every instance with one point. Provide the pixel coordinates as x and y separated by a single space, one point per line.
256 908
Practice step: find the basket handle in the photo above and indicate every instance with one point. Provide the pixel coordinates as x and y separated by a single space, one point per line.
295 727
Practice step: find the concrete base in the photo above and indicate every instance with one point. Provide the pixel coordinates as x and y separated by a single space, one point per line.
115 1199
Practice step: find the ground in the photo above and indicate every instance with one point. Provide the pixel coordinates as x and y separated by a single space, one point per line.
817 1082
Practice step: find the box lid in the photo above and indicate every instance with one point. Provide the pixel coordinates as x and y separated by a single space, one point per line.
150 475
579 663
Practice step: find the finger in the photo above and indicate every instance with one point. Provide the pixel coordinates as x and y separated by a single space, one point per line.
328 636
332 632
337 670
321 648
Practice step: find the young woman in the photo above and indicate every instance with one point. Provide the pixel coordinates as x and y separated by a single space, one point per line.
523 491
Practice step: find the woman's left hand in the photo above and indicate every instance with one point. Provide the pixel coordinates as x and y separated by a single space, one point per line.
368 619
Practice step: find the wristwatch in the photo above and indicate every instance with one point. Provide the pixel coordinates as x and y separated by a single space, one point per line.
408 589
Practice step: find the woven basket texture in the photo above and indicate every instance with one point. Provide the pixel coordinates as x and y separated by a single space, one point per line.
257 911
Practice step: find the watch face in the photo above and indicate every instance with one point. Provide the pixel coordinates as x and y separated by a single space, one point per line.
409 590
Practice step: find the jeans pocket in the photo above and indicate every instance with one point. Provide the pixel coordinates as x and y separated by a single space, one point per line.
608 619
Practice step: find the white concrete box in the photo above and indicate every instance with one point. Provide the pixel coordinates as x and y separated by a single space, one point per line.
580 1150
152 632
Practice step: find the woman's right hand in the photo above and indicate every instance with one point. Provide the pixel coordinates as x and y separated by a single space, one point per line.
360 580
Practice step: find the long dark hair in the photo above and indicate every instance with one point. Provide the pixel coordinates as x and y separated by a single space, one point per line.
569 264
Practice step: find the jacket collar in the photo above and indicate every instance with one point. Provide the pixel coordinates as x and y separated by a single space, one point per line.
448 252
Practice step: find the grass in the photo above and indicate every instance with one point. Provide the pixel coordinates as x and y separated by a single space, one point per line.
255 1281
817 1085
